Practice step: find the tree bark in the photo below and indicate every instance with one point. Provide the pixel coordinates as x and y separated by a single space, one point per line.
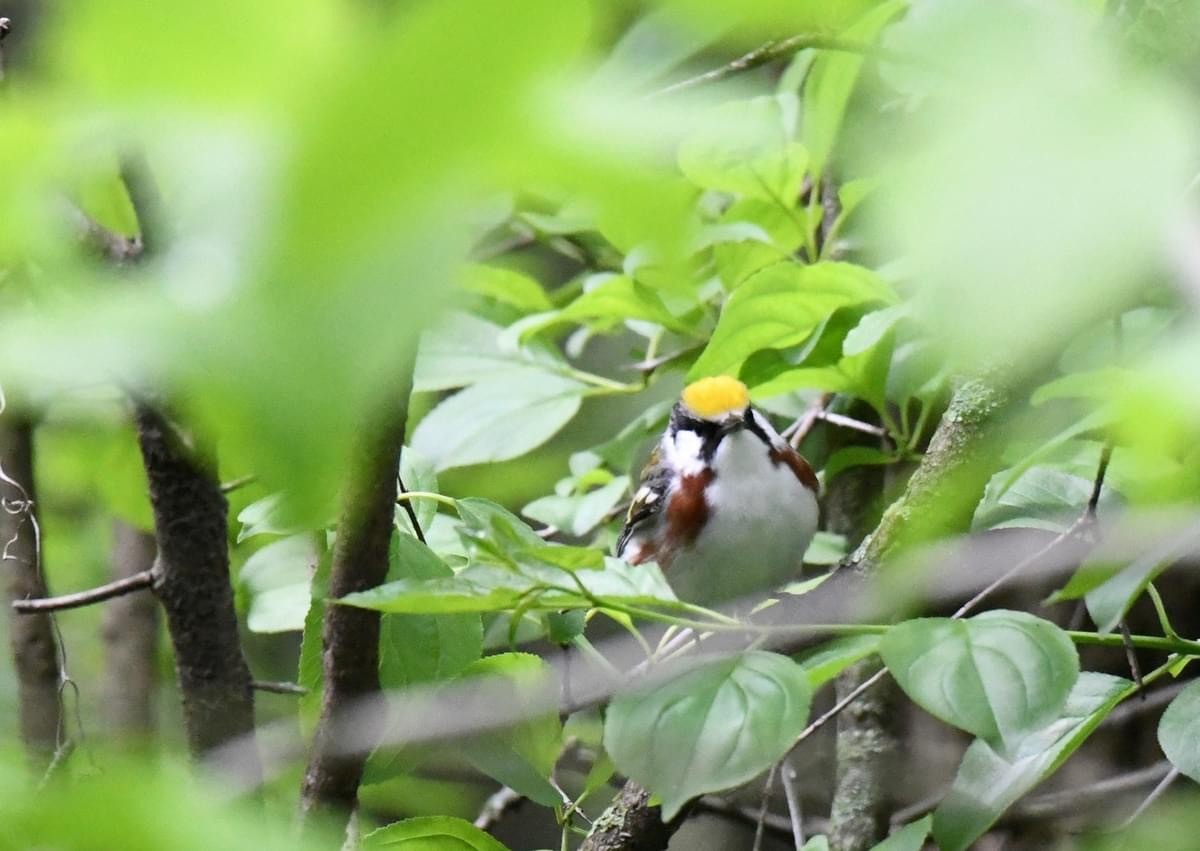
631 824
193 586
34 648
130 634
350 636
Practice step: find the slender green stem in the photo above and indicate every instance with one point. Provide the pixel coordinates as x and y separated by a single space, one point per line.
1144 642
601 383
922 419
1161 610
408 496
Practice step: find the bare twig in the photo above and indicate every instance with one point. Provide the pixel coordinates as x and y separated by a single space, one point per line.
496 806
837 708
238 483
129 584
764 807
788 775
779 49
1154 795
278 687
410 511
1150 701
797 431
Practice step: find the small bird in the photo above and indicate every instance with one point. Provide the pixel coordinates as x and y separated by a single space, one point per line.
724 505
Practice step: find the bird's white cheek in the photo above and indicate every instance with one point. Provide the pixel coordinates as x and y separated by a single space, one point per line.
684 452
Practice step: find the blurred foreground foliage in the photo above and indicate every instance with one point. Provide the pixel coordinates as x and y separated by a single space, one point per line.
532 208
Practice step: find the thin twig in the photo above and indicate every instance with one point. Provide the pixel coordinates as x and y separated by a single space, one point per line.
238 483
837 708
410 511
495 807
279 687
797 431
1154 795
779 49
1131 658
1098 485
1151 700
128 585
764 807
788 775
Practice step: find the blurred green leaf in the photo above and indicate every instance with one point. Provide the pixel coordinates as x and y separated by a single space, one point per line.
431 833
522 756
746 147
464 349
507 286
502 418
849 457
781 306
1179 731
988 783
999 675
310 667
825 662
613 299
1042 498
267 516
579 514
277 578
911 837
825 548
690 734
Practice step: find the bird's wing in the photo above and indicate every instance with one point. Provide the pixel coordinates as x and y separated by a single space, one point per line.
648 500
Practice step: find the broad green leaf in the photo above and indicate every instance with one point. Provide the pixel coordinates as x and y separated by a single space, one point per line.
522 756
1042 498
1050 449
508 286
911 837
480 588
417 474
277 579
745 147
872 328
415 647
988 783
1179 731
781 306
431 833
998 675
823 663
1108 602
498 419
1100 384
710 728
579 514
738 258
831 81
267 516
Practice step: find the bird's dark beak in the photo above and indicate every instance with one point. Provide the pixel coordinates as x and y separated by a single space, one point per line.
734 423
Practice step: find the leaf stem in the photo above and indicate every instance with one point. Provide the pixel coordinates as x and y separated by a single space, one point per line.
408 496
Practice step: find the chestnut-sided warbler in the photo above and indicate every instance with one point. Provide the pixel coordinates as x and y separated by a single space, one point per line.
724 505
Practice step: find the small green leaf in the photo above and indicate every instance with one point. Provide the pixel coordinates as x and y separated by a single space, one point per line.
310 669
1042 498
521 756
479 588
431 833
849 457
508 286
277 578
613 299
418 474
709 728
817 843
823 663
911 837
501 418
267 516
1179 731
998 675
872 328
579 514
781 306
464 349
988 783
825 548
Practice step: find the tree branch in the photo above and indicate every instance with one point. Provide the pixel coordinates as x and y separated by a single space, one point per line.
350 636
116 588
631 824
34 648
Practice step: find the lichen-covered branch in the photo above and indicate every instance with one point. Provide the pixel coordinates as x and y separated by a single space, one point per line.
631 824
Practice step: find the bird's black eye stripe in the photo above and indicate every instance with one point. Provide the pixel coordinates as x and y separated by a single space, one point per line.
753 426
710 433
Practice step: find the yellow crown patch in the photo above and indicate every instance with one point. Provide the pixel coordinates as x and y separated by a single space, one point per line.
713 397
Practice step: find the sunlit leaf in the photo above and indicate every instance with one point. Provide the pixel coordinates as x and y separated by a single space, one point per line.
431 833
1179 731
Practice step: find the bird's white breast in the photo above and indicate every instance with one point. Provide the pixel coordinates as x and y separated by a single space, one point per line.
760 521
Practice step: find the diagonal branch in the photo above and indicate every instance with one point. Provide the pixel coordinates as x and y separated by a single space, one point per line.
99 594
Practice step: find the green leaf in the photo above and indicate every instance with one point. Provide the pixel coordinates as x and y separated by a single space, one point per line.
277 580
579 514
521 756
310 669
781 306
1093 384
911 837
1179 731
267 516
464 349
508 286
831 81
768 233
710 728
499 419
614 299
825 548
746 147
480 588
998 675
417 648
1042 498
873 327
431 833
823 663
855 456
817 843
988 783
